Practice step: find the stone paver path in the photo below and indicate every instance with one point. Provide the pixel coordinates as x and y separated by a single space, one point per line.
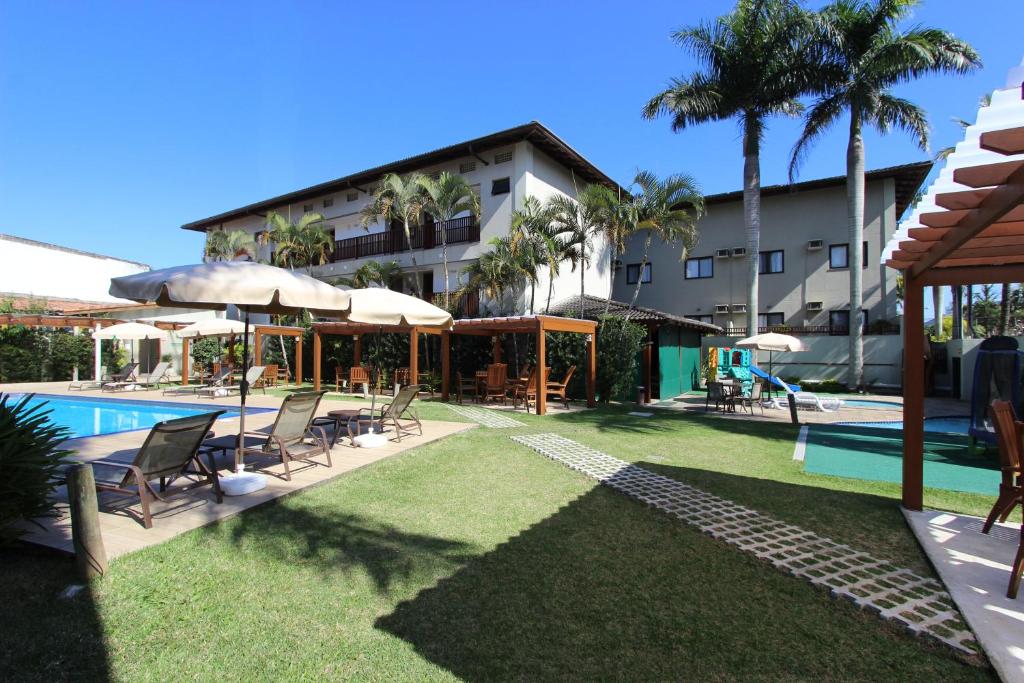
920 604
488 418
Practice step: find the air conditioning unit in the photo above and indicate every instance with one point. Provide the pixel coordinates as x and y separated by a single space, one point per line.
815 245
722 253
722 308
739 308
815 306
739 252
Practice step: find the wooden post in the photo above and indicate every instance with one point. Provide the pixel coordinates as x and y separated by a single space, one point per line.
591 369
316 360
496 348
90 555
357 352
446 348
913 394
185 344
414 356
298 360
97 357
257 347
542 396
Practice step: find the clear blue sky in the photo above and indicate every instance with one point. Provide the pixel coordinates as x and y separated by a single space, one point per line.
121 121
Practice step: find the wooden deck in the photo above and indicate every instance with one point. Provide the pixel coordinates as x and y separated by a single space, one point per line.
119 518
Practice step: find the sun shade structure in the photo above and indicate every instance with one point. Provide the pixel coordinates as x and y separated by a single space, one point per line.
251 287
131 332
968 229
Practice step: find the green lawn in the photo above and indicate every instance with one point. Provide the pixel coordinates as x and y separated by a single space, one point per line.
475 558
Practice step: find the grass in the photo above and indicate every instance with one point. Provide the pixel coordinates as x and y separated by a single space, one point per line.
475 558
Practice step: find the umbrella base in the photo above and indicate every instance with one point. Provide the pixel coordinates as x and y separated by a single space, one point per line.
241 483
370 440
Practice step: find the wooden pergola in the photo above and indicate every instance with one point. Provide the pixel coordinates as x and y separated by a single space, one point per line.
977 239
258 332
527 324
357 330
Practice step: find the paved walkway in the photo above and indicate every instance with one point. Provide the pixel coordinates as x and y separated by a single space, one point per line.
918 603
486 417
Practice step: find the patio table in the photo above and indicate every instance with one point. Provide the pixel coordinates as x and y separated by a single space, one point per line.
339 418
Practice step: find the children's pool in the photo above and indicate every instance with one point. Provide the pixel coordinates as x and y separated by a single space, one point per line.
92 416
943 425
869 403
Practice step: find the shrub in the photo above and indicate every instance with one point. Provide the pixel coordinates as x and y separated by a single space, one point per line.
205 351
618 344
29 458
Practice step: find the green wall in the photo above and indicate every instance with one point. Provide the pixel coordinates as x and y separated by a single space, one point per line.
679 360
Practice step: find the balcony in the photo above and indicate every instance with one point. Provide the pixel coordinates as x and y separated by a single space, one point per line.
457 231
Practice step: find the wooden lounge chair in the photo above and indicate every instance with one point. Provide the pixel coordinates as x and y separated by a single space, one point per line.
393 414
358 375
170 452
291 438
270 374
464 386
557 389
1009 432
524 389
253 377
496 386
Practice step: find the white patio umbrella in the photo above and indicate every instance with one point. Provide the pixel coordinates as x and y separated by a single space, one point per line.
131 332
379 306
771 342
213 327
253 288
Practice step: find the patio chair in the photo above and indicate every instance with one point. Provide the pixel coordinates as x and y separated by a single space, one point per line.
401 377
358 374
149 379
394 414
170 452
464 386
496 387
716 395
751 399
525 389
1009 432
84 384
291 438
270 374
214 381
558 389
120 376
253 376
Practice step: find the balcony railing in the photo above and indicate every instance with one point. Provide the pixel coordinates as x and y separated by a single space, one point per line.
457 231
465 306
810 330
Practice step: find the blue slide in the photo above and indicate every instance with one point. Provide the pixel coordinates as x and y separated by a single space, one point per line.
758 372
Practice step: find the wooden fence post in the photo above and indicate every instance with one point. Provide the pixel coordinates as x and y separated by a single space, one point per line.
90 555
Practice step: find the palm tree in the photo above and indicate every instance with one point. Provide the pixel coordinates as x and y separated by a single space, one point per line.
373 273
398 198
534 243
444 199
577 222
667 208
756 65
943 154
495 273
301 244
621 222
864 54
230 246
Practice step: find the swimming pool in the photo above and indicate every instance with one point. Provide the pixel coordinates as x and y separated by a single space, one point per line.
952 424
869 403
92 416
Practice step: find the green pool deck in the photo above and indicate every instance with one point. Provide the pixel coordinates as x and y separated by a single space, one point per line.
877 455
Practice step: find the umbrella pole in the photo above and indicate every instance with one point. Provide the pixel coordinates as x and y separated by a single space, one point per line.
243 390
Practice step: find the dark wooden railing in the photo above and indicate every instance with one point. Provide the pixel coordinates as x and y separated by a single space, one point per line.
807 330
457 231
466 306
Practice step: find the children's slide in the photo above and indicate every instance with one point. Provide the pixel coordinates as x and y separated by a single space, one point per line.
758 372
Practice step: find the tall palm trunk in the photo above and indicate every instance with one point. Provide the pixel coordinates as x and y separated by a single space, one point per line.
855 253
752 212
551 289
583 286
643 264
417 281
611 284
1004 309
444 258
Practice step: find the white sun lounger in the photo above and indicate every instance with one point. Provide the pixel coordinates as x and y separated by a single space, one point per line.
806 399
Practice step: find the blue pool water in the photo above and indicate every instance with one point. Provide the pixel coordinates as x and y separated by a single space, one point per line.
943 425
869 403
89 416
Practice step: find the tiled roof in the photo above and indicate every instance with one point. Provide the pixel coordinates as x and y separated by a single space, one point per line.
593 307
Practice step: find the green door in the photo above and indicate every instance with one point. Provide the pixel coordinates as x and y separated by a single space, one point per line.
679 360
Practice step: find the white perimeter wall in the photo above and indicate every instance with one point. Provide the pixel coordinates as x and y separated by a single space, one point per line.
54 272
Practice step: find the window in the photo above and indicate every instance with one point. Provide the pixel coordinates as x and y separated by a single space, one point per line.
770 262
351 196
697 268
500 186
328 203
502 157
771 319
710 319
467 167
307 208
839 322
633 272
839 256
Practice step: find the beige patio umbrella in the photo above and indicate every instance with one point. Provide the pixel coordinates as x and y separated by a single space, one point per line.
253 288
131 332
379 306
212 327
771 342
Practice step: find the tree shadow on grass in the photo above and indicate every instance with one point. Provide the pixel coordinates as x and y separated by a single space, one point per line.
338 542
607 589
42 637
